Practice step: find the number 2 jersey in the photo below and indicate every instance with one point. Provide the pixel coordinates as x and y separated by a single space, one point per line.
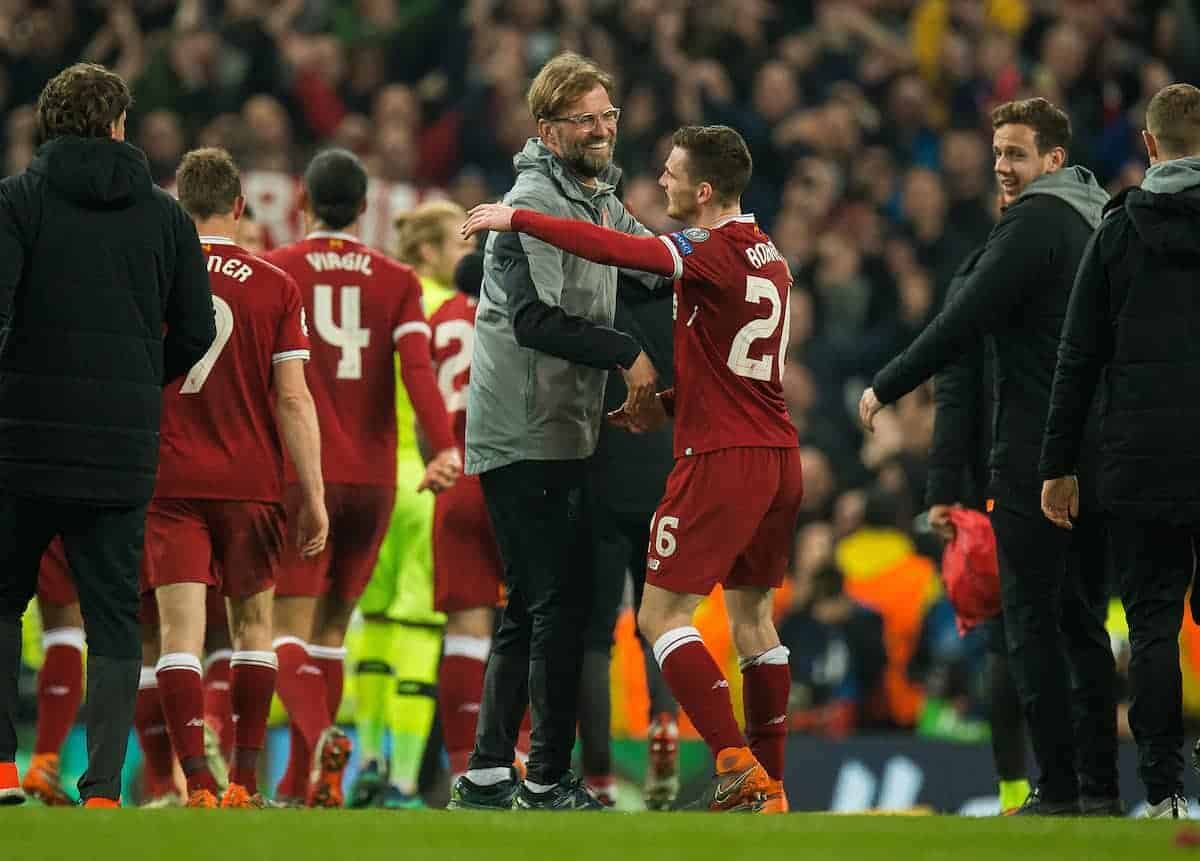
453 327
731 323
218 434
363 307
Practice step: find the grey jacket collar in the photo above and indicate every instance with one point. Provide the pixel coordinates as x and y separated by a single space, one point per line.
1174 176
537 156
1077 187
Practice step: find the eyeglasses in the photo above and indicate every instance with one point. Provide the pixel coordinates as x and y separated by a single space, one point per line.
588 121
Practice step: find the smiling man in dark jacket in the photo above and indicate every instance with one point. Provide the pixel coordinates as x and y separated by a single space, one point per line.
1134 317
1054 591
104 297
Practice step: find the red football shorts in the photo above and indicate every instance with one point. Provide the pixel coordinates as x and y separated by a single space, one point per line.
233 546
467 571
729 517
55 586
359 517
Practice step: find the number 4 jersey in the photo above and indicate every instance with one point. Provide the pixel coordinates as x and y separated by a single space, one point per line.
363 307
731 323
218 434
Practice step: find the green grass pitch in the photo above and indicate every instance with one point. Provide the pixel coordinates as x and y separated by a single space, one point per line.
32 833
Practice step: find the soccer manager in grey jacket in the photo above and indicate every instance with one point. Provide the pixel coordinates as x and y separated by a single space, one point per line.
544 345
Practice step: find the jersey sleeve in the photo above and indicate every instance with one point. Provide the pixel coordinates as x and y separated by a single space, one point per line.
412 337
291 337
698 256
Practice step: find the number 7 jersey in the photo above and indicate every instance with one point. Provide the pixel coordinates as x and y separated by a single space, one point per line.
731 329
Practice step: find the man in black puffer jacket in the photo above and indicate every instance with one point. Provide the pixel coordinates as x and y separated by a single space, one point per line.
1053 586
104 297
1134 319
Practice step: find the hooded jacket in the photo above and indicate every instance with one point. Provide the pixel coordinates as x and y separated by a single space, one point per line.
544 336
1131 341
1015 294
104 298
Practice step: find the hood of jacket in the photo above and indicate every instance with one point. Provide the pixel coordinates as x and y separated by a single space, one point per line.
537 156
97 173
1077 187
1165 210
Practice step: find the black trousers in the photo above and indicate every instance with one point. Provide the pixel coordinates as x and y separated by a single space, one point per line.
104 553
536 508
619 544
1007 719
1155 562
1054 589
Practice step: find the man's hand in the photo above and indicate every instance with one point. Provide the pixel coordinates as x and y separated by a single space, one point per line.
647 420
312 527
641 381
488 216
442 471
868 408
1060 500
939 521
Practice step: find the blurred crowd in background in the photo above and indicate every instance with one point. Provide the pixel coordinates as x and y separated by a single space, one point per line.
868 123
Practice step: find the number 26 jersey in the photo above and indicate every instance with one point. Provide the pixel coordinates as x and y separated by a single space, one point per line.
731 329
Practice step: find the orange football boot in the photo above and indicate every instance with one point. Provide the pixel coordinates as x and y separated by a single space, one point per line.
741 783
44 782
10 784
201 798
329 762
98 803
776 799
237 797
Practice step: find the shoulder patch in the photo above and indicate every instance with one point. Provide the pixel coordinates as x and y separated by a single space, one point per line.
696 234
679 239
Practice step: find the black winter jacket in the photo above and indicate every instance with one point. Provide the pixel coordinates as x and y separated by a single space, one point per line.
1017 294
104 298
962 423
1132 340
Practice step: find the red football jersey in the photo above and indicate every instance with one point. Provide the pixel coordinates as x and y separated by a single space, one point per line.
364 307
731 329
453 327
218 437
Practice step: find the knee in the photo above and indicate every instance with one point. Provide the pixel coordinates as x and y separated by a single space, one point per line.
651 624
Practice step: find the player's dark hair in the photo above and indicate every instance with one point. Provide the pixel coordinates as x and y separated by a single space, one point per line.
83 100
1173 117
336 182
1051 126
207 182
719 156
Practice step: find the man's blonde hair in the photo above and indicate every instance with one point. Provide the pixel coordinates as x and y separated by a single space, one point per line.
561 81
425 225
1173 117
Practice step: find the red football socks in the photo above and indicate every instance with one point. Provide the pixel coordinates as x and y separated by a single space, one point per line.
253 683
151 726
460 688
60 688
332 662
766 683
181 689
699 686
301 686
218 706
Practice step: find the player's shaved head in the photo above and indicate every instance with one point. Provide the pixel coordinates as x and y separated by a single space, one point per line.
719 156
208 183
336 183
